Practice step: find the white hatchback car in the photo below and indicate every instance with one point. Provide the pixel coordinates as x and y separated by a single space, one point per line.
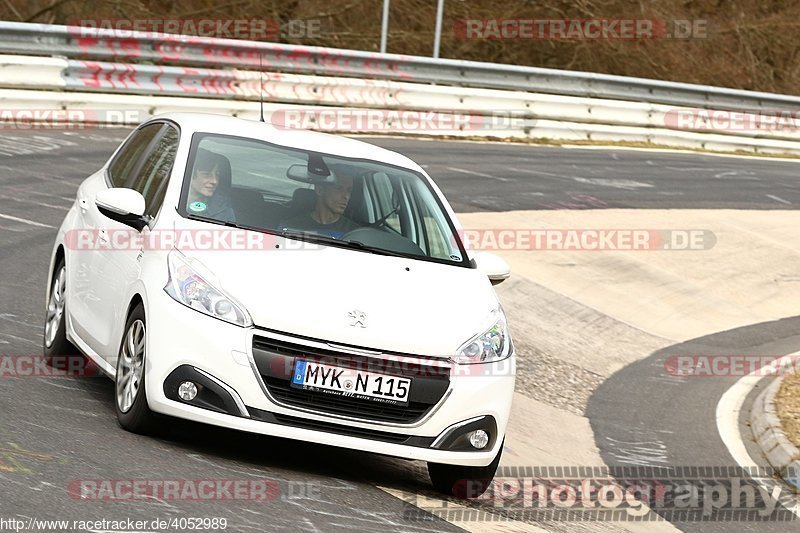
289 283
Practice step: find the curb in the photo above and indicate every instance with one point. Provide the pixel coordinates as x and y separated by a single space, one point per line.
766 427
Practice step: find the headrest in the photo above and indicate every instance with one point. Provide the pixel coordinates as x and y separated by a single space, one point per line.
303 199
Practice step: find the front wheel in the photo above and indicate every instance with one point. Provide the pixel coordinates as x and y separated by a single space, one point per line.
58 351
130 395
463 481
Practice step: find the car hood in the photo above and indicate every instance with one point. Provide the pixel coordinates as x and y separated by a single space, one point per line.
411 306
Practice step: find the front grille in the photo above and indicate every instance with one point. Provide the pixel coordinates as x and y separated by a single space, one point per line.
300 350
275 362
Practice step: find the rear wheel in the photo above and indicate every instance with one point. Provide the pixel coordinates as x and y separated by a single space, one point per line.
463 481
58 351
130 398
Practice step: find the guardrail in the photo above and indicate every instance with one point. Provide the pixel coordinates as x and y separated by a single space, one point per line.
518 101
74 42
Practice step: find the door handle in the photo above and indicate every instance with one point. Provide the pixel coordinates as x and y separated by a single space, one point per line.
83 203
102 235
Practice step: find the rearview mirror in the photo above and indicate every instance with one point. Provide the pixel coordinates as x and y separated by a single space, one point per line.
303 174
123 205
494 266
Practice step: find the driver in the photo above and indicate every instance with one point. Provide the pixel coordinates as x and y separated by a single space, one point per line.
328 217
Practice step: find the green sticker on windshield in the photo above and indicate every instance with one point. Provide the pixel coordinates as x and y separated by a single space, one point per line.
197 206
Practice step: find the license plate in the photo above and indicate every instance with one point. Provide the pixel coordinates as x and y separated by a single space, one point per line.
352 383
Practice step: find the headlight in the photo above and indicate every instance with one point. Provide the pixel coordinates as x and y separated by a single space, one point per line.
192 289
492 345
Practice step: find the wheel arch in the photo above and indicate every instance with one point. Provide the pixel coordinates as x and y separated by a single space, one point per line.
58 254
135 300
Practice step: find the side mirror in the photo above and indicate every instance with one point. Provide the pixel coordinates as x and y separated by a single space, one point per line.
123 205
494 266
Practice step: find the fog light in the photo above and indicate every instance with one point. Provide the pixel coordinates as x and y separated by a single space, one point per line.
187 391
479 439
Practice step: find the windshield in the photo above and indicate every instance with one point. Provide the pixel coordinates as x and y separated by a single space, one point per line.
319 197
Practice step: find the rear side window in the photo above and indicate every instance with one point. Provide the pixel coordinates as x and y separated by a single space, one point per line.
150 179
128 158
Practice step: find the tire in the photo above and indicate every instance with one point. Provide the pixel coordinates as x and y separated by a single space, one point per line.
58 352
463 481
130 393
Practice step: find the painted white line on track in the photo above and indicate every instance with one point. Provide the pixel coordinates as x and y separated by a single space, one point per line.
34 202
26 221
69 199
61 181
13 319
670 151
15 230
616 183
542 173
23 339
729 408
692 169
736 175
567 146
473 173
779 199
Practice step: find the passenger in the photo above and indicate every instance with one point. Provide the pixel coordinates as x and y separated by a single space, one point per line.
206 197
328 217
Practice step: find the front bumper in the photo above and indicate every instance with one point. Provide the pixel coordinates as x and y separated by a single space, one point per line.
181 337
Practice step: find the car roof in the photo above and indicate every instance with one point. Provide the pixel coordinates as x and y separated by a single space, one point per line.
326 143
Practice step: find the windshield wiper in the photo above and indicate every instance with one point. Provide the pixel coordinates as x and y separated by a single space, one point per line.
231 224
332 241
374 249
213 220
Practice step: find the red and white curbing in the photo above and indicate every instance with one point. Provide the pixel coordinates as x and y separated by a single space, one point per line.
766 427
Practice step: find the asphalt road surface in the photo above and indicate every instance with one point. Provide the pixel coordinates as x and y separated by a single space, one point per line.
642 418
54 431
503 177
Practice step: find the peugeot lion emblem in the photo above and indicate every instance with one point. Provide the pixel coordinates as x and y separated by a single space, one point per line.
357 318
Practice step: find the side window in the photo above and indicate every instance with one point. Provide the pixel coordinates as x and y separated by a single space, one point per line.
128 157
435 234
150 180
437 241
